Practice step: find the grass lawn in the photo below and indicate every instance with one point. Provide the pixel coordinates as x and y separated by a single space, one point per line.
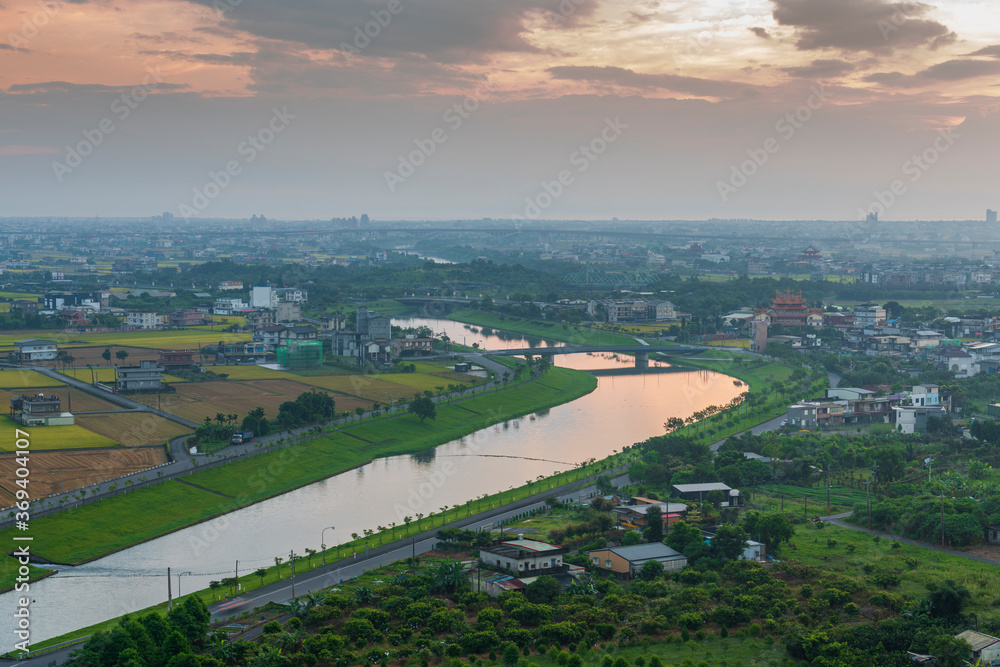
99 528
23 379
53 437
923 567
569 333
8 572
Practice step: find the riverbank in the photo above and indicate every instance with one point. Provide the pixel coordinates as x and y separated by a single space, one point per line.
92 531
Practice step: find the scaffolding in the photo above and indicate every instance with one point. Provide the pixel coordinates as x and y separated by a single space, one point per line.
300 354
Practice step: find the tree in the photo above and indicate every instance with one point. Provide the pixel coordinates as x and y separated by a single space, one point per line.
261 573
631 537
654 517
121 355
772 529
651 571
948 599
729 542
423 408
604 485
542 590
673 424
106 355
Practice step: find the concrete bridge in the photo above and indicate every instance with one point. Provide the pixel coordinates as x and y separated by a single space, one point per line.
640 352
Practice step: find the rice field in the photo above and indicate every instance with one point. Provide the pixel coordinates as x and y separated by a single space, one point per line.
22 379
253 373
197 400
55 472
105 374
183 339
46 438
81 401
133 429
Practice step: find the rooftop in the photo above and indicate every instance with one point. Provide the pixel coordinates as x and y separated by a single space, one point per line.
638 552
699 488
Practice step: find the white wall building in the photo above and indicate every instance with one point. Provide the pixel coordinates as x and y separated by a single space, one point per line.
263 297
143 320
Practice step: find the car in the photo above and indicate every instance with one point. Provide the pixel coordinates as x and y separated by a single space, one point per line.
784 423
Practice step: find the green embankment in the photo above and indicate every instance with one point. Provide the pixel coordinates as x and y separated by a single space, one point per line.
96 529
568 333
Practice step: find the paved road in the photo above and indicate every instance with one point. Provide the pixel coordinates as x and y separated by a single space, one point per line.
336 572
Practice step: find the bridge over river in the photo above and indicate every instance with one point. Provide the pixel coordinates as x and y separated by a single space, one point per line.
641 352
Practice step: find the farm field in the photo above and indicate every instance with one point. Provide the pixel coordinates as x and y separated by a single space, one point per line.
253 373
92 355
105 374
22 379
197 400
81 400
54 437
133 429
181 339
365 387
55 472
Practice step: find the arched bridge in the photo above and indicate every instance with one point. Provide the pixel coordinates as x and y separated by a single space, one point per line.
641 352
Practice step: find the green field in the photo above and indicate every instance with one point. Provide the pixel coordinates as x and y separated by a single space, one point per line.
99 528
548 330
165 340
103 374
23 379
46 438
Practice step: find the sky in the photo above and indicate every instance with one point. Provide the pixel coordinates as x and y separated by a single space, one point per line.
523 109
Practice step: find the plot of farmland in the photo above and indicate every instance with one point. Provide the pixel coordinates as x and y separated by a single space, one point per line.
92 355
106 374
363 386
157 340
82 401
20 379
253 373
133 429
197 400
53 437
54 472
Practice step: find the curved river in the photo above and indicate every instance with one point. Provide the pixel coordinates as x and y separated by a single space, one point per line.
624 409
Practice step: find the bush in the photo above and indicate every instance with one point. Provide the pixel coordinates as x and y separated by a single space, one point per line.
271 628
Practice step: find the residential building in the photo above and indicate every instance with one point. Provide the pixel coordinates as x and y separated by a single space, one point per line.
524 557
301 332
271 336
27 308
985 648
911 419
143 320
288 311
259 318
372 325
810 414
176 359
39 410
300 354
376 351
633 310
925 395
869 315
955 359
263 297
332 322
146 377
412 345
627 561
229 306
187 318
230 285
35 349
699 492
292 295
72 317
758 334
633 517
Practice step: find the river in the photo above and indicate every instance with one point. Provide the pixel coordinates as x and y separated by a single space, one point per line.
624 409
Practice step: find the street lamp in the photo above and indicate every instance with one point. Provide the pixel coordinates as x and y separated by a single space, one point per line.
322 541
179 575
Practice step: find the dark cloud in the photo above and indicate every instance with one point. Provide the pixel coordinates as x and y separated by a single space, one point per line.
821 69
760 32
950 70
988 51
621 76
447 31
861 25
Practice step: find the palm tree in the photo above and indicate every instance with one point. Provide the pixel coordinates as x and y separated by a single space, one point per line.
277 564
448 576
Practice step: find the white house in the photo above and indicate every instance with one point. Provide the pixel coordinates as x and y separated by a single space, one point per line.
263 297
143 320
34 349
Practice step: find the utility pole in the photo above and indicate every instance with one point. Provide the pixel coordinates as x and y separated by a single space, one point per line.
291 561
942 518
237 577
170 596
828 489
868 501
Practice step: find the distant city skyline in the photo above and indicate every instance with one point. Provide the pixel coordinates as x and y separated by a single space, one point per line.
537 109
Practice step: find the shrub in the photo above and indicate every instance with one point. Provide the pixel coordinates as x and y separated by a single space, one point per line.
271 628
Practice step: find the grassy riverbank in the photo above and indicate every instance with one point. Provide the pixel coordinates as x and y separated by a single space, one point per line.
97 529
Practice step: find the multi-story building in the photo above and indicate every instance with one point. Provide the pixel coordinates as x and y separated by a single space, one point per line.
27 308
230 285
176 359
35 349
259 318
271 336
789 309
288 311
143 320
869 314
229 306
292 294
146 377
187 318
373 326
412 345
40 410
263 297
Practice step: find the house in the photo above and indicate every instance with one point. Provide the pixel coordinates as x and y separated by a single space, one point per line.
263 297
143 320
34 349
372 325
627 561
699 492
375 351
810 414
271 336
174 359
27 308
633 517
40 410
229 306
300 332
72 317
752 551
230 285
259 318
412 345
523 557
985 648
291 295
332 322
187 318
146 377
288 311
910 419
956 360
925 395
869 315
